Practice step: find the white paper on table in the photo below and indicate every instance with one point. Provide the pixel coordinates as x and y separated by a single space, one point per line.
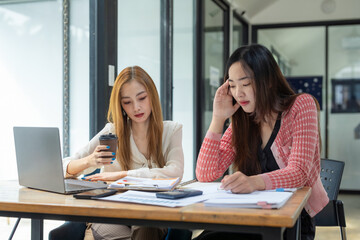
205 187
150 198
212 195
258 199
138 183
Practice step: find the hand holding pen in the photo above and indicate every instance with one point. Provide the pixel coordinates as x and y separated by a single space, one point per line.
240 183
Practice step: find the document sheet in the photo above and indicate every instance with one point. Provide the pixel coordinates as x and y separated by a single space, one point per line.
150 198
145 184
212 196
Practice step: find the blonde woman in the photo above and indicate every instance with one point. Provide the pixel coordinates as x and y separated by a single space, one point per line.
147 146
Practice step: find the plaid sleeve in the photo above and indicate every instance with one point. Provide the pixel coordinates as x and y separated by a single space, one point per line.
303 163
215 156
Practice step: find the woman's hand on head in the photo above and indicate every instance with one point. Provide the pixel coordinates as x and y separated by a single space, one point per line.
240 183
100 157
107 176
223 107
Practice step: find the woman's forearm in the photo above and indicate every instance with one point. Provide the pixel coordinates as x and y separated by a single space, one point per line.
76 166
216 125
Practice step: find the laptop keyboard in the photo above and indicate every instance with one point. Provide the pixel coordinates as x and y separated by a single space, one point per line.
73 184
72 187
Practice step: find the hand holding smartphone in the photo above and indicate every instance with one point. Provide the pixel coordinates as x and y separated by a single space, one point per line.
180 193
94 194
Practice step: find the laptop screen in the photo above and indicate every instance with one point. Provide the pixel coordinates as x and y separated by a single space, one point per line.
38 156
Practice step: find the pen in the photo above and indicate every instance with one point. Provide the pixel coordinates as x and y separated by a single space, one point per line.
285 190
141 185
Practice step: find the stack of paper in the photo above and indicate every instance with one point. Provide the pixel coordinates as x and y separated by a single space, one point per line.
258 199
145 184
150 198
212 195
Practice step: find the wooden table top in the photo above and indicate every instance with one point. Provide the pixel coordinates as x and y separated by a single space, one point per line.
14 198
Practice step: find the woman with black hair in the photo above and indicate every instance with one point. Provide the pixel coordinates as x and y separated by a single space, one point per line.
273 140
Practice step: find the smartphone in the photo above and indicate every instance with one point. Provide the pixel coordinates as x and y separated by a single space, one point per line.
180 193
96 193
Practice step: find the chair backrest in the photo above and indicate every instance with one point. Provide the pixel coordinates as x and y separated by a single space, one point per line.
333 213
331 174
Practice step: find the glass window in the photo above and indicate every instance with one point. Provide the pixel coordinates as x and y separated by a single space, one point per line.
30 72
79 74
213 59
183 78
344 97
300 53
139 36
304 51
237 34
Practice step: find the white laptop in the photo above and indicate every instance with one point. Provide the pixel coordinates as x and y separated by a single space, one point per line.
39 162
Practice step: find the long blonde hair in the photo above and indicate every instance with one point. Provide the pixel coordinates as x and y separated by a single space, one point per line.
122 124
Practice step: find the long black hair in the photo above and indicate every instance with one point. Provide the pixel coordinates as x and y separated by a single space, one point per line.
273 94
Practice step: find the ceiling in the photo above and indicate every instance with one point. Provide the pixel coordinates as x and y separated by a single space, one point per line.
285 11
260 12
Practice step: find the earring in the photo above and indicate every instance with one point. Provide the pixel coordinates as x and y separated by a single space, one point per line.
125 115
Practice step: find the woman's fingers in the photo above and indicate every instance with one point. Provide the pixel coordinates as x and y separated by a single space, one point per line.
225 87
100 148
105 161
96 177
230 181
91 178
101 156
106 176
237 183
223 103
105 154
223 90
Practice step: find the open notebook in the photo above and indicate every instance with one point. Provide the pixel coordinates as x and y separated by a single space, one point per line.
145 184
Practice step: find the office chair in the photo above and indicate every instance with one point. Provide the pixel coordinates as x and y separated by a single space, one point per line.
333 214
178 234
